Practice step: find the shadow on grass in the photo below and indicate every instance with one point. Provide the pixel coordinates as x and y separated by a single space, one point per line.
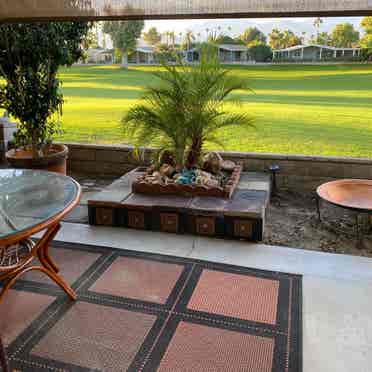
278 99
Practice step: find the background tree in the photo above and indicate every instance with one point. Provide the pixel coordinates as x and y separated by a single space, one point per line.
188 40
366 40
275 39
303 37
290 39
152 36
283 39
322 38
30 55
124 35
260 52
172 38
225 39
90 40
345 36
317 23
253 34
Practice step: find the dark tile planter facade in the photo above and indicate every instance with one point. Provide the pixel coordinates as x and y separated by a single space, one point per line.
241 217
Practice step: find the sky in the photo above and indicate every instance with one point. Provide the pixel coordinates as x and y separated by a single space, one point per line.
298 25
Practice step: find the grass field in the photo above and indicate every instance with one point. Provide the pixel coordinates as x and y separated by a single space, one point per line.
297 109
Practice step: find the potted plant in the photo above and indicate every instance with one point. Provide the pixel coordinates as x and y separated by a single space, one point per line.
30 55
187 109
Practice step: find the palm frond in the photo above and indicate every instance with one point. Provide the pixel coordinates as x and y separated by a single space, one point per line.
186 108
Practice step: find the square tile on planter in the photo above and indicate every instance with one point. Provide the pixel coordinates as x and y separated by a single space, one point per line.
147 201
207 205
247 204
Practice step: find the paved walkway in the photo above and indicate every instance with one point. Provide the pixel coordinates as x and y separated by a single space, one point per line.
337 289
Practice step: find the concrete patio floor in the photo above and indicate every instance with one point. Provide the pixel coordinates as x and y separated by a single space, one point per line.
337 301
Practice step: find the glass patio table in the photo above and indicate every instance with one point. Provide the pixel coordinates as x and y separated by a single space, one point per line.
32 201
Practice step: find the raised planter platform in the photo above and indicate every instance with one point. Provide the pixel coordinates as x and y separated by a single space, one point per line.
240 217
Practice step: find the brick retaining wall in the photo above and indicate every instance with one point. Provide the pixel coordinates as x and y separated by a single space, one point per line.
297 171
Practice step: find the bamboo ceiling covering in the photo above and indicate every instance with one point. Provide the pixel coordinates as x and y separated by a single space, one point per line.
13 10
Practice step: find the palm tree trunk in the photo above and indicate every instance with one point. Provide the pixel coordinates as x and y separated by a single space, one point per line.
194 153
124 60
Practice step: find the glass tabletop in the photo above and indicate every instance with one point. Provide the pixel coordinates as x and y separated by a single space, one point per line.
31 197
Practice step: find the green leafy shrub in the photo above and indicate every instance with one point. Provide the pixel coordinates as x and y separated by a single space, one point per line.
30 55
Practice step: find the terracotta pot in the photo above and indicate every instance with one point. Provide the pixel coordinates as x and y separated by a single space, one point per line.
54 159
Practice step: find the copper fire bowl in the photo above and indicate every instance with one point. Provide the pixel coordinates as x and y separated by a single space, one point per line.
348 193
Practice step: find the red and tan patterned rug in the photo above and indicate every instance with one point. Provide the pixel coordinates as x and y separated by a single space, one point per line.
144 312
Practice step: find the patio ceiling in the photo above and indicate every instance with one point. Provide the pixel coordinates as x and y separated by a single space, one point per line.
24 10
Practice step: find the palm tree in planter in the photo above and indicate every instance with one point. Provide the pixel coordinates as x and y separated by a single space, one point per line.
30 55
186 110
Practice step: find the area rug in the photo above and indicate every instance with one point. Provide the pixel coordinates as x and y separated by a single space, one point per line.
146 312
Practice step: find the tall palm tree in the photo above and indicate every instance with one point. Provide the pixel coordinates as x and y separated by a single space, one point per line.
172 37
317 23
189 38
167 35
187 109
276 39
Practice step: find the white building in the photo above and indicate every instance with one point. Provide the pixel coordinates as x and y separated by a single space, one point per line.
315 52
99 56
227 53
142 55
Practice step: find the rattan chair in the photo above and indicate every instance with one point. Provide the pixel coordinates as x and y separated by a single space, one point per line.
15 261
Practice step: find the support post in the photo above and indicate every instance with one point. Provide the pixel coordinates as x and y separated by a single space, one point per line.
317 200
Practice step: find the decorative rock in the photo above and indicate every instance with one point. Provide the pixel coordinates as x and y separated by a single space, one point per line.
166 170
228 165
212 163
211 183
150 170
187 177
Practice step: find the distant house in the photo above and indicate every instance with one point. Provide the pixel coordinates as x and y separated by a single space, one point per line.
227 53
99 56
233 53
143 55
315 53
191 55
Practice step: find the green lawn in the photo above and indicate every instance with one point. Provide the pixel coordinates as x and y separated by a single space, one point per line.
297 109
